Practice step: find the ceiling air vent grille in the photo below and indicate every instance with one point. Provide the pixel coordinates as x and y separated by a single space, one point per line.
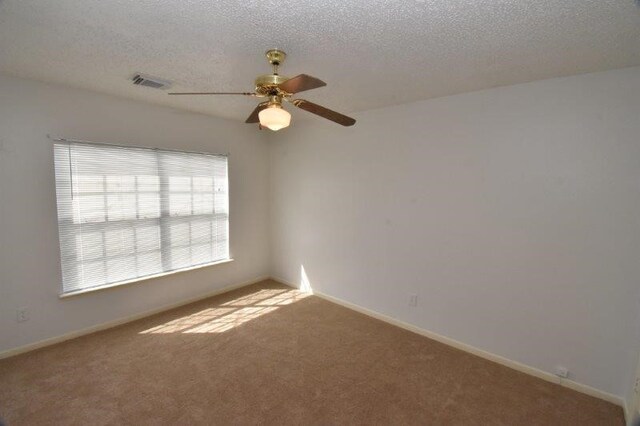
148 81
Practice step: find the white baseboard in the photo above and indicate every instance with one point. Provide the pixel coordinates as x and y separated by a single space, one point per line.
109 324
473 350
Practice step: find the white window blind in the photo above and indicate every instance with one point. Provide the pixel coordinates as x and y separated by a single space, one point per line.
126 213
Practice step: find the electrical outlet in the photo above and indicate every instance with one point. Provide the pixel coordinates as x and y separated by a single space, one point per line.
413 300
562 371
22 315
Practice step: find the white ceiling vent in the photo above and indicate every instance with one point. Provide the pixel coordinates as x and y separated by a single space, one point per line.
149 81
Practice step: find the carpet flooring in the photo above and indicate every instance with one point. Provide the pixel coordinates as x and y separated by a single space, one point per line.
268 354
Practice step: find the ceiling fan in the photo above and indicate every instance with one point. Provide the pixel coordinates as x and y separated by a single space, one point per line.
279 89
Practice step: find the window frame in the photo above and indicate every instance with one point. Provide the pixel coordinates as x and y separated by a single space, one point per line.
162 220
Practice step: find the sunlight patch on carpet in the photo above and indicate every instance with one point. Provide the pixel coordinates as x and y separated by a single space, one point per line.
230 314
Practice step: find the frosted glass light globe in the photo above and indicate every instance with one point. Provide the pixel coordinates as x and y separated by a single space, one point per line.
274 118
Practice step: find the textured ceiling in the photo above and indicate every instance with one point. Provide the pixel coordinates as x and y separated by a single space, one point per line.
371 53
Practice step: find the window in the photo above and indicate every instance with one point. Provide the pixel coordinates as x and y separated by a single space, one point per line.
126 213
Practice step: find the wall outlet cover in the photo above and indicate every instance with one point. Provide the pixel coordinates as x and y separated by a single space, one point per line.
562 371
413 300
22 315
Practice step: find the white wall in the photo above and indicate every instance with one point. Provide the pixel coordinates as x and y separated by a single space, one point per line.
29 254
513 213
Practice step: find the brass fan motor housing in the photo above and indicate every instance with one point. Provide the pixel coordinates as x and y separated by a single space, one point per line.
268 83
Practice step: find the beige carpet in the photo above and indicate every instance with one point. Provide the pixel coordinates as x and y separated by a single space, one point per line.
266 354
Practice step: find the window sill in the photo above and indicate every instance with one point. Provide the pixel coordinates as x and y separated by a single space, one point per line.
140 279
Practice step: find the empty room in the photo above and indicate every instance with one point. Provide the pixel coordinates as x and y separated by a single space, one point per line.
398 212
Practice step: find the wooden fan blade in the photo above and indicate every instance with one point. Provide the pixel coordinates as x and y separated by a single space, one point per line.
213 93
253 118
324 112
301 83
